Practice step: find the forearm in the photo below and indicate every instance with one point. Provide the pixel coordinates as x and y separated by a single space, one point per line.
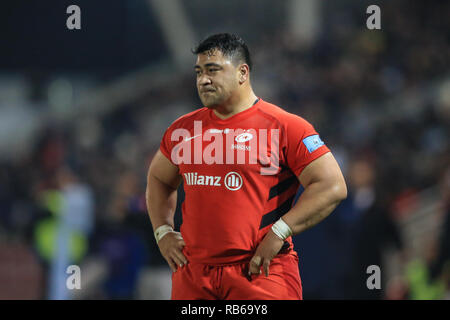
161 202
315 204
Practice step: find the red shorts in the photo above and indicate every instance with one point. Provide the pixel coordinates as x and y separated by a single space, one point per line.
197 281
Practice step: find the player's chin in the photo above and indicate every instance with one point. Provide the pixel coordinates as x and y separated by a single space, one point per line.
209 103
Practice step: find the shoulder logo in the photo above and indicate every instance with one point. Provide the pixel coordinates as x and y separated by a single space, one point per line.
312 143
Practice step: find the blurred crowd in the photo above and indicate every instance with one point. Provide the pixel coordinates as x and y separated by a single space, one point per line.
79 192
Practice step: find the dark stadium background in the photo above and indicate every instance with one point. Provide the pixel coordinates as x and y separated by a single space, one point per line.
82 113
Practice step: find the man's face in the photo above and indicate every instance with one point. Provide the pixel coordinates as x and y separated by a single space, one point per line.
217 78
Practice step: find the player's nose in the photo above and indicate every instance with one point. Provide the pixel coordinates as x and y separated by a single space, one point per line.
204 80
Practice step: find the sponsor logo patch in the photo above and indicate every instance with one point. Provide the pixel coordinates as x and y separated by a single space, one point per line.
312 143
232 180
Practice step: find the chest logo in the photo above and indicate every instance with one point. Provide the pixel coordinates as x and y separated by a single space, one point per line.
233 181
243 137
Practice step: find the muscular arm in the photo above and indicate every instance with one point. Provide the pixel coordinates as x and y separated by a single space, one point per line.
163 180
324 188
161 194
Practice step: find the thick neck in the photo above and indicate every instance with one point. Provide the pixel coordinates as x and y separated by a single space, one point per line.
236 105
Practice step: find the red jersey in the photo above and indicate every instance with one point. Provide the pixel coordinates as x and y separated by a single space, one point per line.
239 176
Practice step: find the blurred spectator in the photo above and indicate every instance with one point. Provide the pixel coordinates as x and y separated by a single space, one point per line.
440 267
121 242
76 219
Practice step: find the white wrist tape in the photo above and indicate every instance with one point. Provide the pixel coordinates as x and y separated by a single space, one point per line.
281 229
161 231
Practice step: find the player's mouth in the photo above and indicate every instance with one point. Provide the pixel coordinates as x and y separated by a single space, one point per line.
208 91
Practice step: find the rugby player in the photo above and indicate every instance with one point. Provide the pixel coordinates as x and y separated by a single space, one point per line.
241 160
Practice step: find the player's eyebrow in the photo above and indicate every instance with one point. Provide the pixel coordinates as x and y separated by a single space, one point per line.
211 64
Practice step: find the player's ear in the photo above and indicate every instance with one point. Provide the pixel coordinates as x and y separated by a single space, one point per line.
243 73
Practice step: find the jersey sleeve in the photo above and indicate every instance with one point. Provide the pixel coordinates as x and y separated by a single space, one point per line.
166 144
304 144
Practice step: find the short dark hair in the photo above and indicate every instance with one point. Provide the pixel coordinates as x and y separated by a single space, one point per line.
230 45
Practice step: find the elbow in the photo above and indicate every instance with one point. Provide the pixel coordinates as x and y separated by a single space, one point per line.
339 191
344 192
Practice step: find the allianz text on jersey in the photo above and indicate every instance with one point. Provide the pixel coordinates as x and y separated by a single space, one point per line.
232 180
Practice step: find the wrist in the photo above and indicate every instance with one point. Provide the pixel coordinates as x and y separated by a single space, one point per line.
161 231
281 229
